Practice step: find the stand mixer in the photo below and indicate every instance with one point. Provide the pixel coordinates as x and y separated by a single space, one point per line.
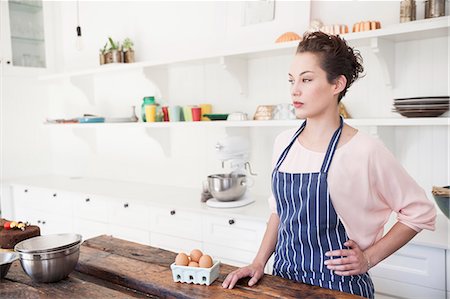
236 151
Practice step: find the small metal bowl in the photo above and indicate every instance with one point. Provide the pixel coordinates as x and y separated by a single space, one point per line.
227 187
443 202
6 259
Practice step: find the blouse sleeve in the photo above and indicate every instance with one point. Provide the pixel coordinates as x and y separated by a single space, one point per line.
400 192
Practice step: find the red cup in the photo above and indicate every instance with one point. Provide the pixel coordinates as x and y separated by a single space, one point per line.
196 113
165 112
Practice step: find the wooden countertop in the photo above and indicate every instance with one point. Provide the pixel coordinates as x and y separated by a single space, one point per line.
114 268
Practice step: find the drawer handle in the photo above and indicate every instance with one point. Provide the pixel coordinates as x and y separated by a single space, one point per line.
54 194
39 221
26 190
172 212
87 199
125 205
231 221
43 222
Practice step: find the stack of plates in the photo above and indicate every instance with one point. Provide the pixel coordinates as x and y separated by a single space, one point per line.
421 106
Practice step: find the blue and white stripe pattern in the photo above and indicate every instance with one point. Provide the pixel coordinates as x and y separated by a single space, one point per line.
309 227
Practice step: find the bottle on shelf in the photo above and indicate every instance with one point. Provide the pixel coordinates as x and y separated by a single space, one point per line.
146 102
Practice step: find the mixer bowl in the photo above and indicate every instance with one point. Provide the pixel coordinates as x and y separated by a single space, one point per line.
227 187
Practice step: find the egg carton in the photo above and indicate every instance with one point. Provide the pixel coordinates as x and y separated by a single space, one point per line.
195 275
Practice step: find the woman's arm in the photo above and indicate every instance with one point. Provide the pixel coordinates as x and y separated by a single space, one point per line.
355 261
256 269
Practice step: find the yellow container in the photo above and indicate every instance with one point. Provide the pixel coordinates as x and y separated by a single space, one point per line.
150 113
206 109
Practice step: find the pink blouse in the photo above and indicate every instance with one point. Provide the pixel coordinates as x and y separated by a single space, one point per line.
366 184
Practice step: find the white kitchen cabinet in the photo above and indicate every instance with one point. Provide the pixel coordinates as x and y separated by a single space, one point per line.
234 232
412 272
130 214
129 233
26 34
91 207
175 243
50 210
89 229
448 273
176 222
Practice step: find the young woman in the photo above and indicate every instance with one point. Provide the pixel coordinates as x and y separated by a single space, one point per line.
333 187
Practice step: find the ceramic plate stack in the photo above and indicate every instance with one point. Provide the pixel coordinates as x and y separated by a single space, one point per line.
421 106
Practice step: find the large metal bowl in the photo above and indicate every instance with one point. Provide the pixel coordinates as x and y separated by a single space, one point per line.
227 187
49 258
50 267
6 259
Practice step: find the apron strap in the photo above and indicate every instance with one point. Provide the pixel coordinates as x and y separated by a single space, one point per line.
286 150
332 147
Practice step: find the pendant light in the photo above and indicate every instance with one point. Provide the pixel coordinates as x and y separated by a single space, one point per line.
79 41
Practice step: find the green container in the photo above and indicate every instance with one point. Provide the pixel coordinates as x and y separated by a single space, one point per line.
146 102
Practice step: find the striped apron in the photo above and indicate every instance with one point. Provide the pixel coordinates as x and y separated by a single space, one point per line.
309 227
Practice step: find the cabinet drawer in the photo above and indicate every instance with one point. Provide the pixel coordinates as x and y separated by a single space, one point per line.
130 234
50 223
448 272
91 208
232 231
89 229
129 214
176 223
228 255
174 244
42 199
415 265
396 289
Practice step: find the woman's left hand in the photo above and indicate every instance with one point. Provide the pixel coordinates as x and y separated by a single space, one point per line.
351 262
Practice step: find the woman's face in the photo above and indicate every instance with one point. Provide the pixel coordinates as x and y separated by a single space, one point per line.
311 93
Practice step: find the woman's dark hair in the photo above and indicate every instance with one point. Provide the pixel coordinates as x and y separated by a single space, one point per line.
336 57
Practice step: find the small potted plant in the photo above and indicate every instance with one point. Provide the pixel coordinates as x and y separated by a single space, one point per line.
128 52
113 55
102 54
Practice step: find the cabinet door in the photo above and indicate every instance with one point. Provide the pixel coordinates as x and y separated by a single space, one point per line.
448 273
412 272
175 244
50 223
234 232
177 223
130 234
41 199
229 255
90 207
89 229
25 29
129 214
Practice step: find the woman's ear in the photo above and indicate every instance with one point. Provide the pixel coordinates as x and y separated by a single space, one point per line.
340 83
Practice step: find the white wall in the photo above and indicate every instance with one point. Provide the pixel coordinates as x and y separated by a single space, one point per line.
186 156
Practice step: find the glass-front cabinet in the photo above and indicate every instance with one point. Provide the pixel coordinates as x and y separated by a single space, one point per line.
23 35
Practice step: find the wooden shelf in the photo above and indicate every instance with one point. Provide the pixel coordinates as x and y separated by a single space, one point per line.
364 122
416 30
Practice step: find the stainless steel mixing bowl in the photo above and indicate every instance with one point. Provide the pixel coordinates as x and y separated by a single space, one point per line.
227 187
52 266
49 258
6 259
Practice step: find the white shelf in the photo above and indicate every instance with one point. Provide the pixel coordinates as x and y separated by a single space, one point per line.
364 122
416 30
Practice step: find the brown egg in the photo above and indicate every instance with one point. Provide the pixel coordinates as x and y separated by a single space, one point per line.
205 261
193 264
182 259
196 255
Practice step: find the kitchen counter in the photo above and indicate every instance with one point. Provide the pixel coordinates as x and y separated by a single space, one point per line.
113 268
189 199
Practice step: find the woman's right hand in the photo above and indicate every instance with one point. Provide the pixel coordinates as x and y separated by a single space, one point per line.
255 271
